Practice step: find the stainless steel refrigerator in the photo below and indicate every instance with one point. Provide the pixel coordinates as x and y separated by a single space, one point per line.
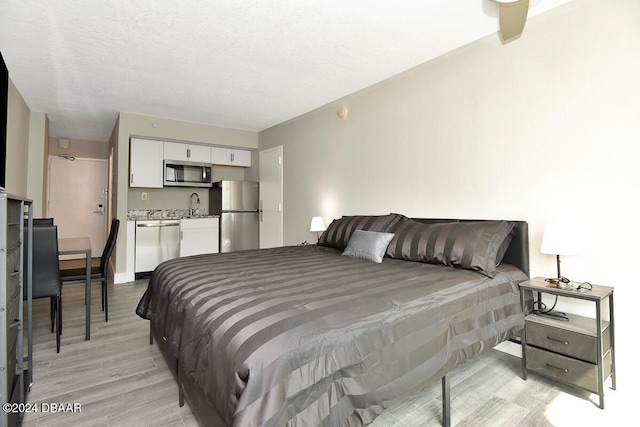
237 204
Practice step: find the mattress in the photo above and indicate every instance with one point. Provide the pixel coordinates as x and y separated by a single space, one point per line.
303 336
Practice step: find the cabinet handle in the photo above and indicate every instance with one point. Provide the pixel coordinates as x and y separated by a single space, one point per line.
131 182
188 152
557 340
565 370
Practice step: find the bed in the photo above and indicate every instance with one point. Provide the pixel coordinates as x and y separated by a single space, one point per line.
304 336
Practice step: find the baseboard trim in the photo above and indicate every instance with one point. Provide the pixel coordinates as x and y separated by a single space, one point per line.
123 278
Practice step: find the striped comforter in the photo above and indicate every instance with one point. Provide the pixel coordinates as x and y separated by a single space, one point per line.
302 336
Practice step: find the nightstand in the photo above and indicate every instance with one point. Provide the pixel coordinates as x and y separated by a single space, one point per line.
574 350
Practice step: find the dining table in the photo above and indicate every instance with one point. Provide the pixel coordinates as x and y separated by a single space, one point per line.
80 246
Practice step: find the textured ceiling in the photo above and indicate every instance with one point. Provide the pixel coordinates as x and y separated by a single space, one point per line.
231 63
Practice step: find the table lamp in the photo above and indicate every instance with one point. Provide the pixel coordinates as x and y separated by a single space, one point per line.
317 225
559 239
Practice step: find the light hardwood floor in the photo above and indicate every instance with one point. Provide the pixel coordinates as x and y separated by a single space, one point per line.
121 380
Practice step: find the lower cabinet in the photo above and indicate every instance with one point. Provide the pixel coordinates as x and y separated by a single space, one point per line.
152 241
199 236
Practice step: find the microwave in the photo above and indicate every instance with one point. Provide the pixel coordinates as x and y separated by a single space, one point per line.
186 174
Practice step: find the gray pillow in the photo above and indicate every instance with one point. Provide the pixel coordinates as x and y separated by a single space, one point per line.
477 246
339 232
368 245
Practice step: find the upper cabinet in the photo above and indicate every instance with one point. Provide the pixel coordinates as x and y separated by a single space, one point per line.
146 163
187 152
147 156
230 157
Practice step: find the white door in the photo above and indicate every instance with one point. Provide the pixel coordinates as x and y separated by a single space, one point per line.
271 197
77 199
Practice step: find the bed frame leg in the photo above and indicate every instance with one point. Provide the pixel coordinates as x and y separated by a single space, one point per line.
446 402
180 391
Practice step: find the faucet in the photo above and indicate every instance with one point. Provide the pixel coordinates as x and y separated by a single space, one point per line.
192 211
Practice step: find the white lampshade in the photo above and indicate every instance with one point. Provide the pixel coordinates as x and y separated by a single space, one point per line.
317 224
561 239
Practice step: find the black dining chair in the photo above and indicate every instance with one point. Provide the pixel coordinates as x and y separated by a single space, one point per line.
42 221
45 276
101 272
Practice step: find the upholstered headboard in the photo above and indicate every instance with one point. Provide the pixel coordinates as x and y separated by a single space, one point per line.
518 252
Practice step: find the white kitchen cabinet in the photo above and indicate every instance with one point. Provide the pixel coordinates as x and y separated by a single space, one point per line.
199 236
187 152
230 156
145 163
241 158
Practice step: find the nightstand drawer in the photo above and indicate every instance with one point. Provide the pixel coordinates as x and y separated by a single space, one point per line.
575 338
565 369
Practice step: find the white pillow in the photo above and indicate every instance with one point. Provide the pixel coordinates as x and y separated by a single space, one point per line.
368 245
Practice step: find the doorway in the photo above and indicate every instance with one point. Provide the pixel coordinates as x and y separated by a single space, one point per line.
77 198
271 197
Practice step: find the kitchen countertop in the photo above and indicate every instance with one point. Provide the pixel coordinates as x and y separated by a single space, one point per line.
139 215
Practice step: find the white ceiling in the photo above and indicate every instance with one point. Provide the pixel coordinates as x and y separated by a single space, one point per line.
232 63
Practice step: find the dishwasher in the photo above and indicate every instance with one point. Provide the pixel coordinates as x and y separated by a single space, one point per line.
156 241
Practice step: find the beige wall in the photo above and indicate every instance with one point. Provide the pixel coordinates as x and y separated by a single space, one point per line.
27 133
37 161
542 129
164 129
18 115
79 148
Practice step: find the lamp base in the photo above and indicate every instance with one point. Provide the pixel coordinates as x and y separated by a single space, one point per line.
561 283
561 286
